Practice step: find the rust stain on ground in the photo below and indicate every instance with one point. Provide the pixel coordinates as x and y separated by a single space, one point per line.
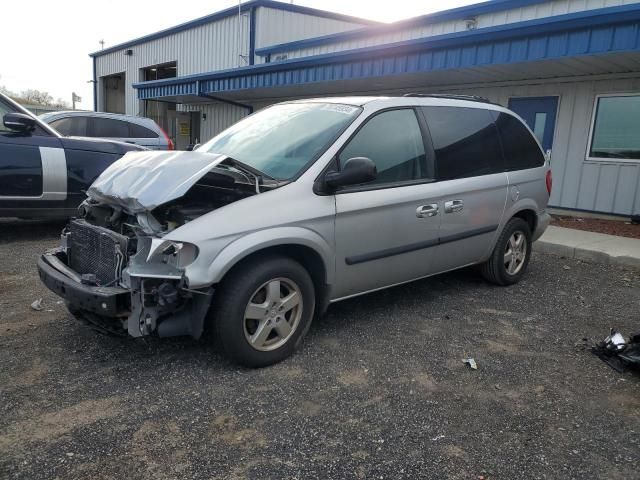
227 429
353 378
51 425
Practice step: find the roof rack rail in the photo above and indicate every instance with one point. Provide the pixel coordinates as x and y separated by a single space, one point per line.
470 98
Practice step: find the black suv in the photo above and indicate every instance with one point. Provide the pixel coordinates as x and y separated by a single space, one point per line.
43 174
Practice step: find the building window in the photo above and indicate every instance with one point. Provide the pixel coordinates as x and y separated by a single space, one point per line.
615 129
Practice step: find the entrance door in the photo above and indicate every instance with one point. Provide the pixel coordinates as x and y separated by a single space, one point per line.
180 129
540 115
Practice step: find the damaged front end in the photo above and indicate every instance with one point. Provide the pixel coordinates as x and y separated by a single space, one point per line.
114 267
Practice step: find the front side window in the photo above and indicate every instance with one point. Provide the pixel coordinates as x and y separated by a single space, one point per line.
393 141
465 141
280 141
616 128
71 126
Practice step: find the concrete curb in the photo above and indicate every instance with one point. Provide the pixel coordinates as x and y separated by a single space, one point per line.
589 246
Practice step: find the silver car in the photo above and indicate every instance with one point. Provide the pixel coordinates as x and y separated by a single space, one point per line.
300 205
114 126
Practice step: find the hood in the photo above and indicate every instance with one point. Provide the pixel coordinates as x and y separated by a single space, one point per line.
141 181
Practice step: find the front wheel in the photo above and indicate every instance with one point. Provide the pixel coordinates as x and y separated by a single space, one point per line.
262 310
511 255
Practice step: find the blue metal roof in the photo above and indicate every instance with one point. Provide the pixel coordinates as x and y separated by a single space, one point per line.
467 11
234 11
606 30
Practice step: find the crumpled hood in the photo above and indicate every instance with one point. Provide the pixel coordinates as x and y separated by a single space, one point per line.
140 181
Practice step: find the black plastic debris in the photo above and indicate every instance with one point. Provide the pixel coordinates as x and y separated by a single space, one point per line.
619 353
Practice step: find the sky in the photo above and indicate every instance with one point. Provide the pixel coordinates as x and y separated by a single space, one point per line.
47 43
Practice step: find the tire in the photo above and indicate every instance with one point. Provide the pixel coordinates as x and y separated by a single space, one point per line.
257 289
497 270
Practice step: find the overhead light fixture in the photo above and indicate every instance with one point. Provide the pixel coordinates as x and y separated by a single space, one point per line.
471 23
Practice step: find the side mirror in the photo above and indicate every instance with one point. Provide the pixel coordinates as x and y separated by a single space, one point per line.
20 122
191 147
354 171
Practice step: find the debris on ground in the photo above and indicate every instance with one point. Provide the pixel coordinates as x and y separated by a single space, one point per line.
37 305
471 362
619 353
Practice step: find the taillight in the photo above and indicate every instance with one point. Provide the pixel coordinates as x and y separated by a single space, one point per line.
170 145
549 181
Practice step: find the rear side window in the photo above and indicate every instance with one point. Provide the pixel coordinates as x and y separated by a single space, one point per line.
71 126
393 140
138 131
107 127
465 141
521 151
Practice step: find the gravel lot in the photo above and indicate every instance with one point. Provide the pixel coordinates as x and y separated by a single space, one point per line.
378 389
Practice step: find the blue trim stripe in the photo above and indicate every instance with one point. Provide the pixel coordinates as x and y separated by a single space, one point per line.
445 15
234 11
607 30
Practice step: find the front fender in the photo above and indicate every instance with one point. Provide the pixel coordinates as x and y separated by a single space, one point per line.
253 242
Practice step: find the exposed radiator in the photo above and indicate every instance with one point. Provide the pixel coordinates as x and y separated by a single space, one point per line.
96 250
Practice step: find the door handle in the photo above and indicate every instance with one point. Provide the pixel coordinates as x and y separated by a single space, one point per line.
430 210
453 206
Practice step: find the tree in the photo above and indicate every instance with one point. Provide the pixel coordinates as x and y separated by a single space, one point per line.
37 97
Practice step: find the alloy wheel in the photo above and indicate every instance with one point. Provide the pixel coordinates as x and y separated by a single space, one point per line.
515 253
273 314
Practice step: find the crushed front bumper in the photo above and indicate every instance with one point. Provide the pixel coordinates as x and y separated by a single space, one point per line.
64 282
136 310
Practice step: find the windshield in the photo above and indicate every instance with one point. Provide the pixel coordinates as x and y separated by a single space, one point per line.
281 140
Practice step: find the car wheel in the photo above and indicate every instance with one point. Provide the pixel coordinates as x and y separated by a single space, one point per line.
262 310
511 254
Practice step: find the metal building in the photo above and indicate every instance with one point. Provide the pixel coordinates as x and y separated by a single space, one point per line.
570 68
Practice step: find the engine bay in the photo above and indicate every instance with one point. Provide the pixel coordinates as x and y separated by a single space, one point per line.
222 185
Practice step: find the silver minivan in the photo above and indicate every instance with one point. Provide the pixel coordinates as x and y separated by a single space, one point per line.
297 206
113 126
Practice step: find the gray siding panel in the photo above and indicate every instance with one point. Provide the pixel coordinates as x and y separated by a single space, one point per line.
588 187
605 197
627 186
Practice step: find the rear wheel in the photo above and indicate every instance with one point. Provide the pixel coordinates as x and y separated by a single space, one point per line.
511 255
262 310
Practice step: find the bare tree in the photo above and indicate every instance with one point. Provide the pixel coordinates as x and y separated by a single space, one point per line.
37 97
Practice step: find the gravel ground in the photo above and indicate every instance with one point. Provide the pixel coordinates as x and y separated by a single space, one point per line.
378 390
622 228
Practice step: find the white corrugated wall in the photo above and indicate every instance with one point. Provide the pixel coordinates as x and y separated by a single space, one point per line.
219 116
275 26
201 49
530 12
